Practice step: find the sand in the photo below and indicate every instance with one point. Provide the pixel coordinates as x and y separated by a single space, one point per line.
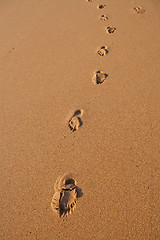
48 57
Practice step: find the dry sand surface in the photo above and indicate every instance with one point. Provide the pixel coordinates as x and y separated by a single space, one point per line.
48 65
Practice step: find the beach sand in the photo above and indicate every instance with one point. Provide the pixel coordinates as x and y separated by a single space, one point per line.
48 58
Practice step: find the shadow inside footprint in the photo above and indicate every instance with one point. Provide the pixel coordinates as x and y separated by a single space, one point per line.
102 51
110 30
99 77
79 192
76 122
101 6
139 10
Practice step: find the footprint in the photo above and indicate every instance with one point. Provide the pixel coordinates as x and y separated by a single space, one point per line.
90 0
65 197
99 77
101 6
103 18
110 29
139 10
75 122
102 51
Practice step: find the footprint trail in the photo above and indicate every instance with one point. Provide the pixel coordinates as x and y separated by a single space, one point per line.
99 77
65 197
101 6
110 30
76 122
102 51
139 10
104 17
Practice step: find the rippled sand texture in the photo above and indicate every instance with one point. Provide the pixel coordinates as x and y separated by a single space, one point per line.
65 107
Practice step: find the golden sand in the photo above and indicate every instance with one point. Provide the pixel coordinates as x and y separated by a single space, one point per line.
48 57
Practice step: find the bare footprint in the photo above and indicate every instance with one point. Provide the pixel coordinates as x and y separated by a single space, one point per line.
101 6
102 51
65 197
139 10
76 122
99 77
103 17
110 29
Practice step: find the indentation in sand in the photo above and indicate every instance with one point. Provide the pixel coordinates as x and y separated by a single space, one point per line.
139 10
90 0
76 122
99 77
102 51
110 29
101 6
65 197
104 17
